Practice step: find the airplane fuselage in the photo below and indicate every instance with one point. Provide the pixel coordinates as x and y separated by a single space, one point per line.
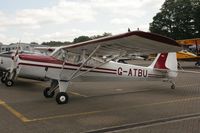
44 67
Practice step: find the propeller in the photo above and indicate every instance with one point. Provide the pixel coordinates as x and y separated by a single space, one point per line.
14 62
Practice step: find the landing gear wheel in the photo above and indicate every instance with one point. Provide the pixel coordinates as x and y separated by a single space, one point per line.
3 79
47 93
9 83
173 86
1 74
62 98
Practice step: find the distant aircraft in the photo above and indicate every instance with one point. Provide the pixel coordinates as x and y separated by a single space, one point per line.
6 62
184 55
191 44
94 60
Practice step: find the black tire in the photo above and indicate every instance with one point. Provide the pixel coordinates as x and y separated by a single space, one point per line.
173 87
62 98
1 74
9 83
47 94
3 79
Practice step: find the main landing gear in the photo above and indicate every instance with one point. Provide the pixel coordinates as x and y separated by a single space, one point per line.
48 93
9 83
1 73
3 79
6 79
61 97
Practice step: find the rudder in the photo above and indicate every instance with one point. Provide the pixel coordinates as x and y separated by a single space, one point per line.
165 61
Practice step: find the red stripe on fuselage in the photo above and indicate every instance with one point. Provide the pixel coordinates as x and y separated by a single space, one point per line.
52 60
56 67
40 58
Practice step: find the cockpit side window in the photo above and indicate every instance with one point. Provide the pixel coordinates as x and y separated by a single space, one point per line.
60 54
76 58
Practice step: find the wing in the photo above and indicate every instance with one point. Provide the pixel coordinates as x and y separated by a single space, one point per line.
130 43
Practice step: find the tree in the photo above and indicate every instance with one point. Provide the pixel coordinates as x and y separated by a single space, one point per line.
86 38
53 43
176 19
76 40
196 12
34 43
100 36
81 39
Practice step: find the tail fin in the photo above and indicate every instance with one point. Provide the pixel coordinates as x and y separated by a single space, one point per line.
165 61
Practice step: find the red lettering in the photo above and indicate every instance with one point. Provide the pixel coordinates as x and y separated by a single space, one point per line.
135 70
139 72
119 71
130 72
145 73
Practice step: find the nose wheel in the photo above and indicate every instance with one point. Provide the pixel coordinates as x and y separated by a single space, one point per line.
62 98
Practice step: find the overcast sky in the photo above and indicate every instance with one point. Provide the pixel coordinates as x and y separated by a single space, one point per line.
63 20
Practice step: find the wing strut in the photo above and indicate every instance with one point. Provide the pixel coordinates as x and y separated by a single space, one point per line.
95 67
64 58
75 73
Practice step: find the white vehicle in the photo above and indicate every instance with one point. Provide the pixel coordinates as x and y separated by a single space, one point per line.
95 61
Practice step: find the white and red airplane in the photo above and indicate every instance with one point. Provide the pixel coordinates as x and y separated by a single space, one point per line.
7 62
95 61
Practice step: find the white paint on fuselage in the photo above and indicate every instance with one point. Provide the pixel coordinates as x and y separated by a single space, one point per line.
111 71
33 72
